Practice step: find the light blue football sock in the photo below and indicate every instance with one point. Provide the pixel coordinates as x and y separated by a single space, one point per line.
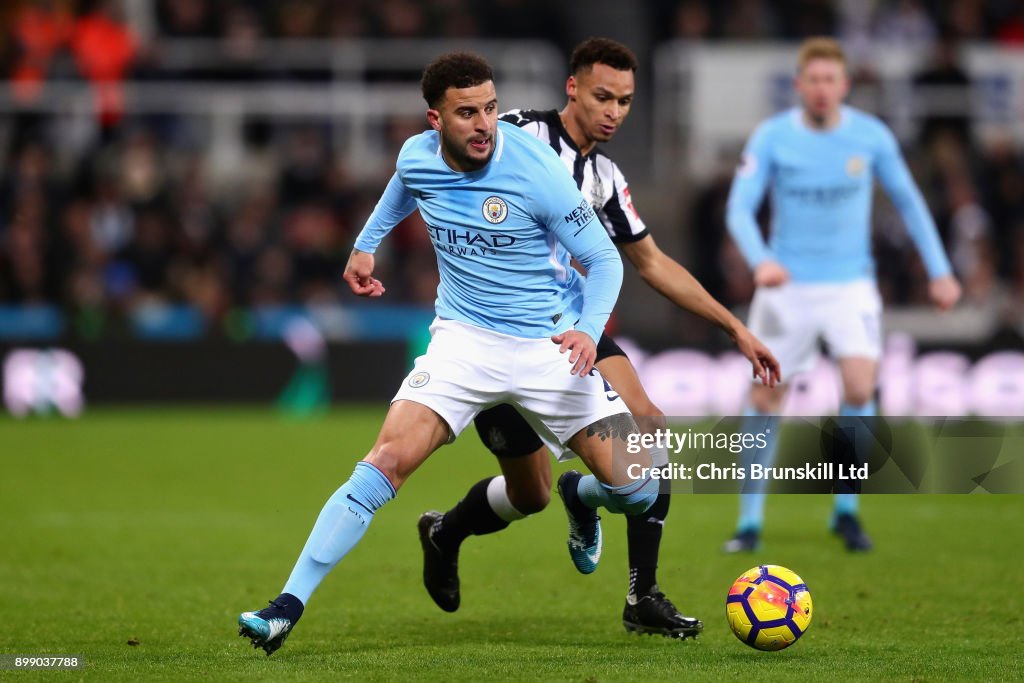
845 504
620 500
848 503
338 529
753 496
632 498
869 409
592 492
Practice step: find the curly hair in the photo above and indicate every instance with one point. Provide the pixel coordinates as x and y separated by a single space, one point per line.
453 70
602 51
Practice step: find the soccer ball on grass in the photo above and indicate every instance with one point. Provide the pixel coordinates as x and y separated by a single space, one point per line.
769 607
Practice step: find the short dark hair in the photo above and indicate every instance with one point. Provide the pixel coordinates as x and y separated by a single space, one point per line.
453 70
601 51
820 47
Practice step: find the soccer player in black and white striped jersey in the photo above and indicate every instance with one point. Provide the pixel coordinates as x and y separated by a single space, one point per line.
600 92
597 176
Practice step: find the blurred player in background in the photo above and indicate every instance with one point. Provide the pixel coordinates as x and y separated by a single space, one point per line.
600 90
815 278
504 219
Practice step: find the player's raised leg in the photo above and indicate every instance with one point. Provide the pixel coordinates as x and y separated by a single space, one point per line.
621 482
410 433
491 504
581 414
647 608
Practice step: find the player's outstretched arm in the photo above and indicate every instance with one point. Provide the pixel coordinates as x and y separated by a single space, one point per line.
573 222
359 275
673 281
763 364
604 277
749 185
393 207
943 287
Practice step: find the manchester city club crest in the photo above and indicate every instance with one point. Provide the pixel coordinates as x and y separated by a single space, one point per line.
855 165
495 209
419 379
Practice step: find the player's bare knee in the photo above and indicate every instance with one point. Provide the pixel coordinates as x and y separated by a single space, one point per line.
650 418
390 458
529 501
529 494
765 400
858 393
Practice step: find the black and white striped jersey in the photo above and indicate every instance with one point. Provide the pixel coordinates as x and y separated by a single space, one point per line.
599 179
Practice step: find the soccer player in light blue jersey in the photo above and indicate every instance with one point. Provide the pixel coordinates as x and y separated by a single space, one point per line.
815 277
600 89
504 218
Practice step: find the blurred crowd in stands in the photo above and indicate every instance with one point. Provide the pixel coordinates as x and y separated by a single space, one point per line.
132 216
855 22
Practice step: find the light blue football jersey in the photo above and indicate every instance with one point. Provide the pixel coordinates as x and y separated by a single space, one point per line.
821 187
503 236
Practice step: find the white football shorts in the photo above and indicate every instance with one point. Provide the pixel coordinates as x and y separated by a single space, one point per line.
792 318
467 369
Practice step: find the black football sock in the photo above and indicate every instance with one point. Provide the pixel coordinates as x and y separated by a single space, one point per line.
643 533
290 606
471 516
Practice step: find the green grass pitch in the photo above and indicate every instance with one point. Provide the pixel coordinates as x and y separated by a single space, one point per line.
135 537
